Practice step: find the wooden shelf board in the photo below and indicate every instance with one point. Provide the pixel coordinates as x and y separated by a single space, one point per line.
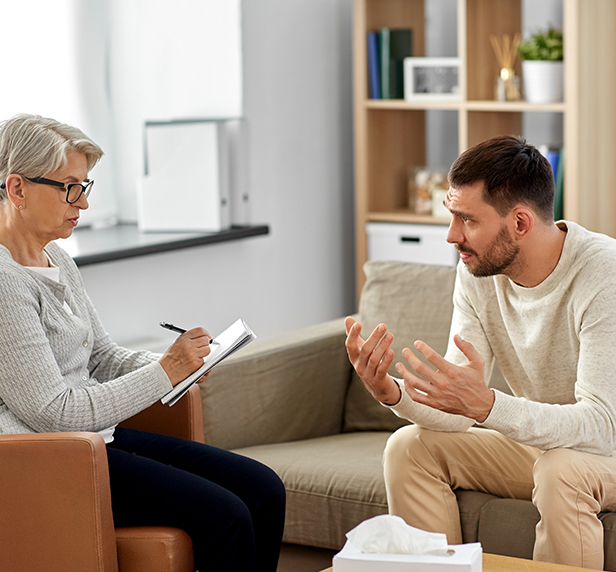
403 104
513 106
405 216
474 105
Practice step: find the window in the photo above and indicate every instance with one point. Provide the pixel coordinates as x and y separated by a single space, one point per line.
107 66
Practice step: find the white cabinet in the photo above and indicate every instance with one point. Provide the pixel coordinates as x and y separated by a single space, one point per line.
423 243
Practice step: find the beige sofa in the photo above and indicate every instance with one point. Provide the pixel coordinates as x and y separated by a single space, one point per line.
295 404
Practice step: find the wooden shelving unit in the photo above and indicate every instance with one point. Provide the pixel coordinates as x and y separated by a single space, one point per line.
390 135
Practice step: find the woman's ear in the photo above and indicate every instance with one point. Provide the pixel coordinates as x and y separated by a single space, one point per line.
15 190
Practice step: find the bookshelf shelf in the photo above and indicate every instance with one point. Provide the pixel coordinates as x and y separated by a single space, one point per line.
406 216
510 106
391 136
402 104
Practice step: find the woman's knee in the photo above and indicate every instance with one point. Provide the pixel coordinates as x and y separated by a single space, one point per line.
267 484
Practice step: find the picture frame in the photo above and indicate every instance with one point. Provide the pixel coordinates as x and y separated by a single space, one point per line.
436 79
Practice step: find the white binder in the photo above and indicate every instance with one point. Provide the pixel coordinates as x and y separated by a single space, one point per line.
186 185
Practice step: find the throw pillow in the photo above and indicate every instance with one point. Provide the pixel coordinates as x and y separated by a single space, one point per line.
415 302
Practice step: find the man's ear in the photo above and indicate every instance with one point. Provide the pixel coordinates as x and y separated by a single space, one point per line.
524 221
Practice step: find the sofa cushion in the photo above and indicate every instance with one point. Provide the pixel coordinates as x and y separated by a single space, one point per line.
333 483
415 302
609 539
507 527
470 504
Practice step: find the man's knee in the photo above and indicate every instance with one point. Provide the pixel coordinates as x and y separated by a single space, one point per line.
401 444
561 474
411 450
558 465
412 442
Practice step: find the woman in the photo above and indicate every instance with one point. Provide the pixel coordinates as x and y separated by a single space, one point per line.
60 371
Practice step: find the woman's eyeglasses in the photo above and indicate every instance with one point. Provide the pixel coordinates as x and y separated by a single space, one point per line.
73 190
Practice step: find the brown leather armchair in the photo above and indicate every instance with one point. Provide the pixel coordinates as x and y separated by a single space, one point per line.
55 502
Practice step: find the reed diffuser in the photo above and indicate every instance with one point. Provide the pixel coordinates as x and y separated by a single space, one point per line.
507 83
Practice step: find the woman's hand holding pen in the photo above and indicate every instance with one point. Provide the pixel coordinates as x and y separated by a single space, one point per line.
185 355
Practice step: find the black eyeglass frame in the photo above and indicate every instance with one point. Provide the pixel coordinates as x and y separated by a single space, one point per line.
84 190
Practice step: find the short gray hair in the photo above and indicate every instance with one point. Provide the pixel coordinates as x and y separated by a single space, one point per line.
32 146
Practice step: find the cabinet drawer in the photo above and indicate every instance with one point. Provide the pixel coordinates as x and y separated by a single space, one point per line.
422 243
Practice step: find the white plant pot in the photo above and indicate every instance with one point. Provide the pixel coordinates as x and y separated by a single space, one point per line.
543 81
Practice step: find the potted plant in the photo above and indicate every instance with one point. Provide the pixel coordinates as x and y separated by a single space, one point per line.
542 66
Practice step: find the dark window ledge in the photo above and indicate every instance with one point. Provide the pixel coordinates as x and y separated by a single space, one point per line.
94 245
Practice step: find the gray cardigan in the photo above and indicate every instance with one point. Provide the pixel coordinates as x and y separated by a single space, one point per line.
61 371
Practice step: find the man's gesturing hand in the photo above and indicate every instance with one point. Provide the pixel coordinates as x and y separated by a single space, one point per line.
371 360
451 388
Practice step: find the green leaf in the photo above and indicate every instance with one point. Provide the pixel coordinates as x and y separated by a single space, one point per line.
546 45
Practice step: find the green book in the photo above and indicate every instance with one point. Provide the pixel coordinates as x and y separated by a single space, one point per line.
384 52
396 44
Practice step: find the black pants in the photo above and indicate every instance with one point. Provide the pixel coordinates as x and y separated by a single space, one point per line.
231 506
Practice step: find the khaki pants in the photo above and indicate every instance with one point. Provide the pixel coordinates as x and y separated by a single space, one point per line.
569 488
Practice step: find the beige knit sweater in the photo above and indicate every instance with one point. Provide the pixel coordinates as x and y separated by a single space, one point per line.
555 345
61 371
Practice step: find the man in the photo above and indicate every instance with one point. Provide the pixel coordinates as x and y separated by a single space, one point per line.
539 298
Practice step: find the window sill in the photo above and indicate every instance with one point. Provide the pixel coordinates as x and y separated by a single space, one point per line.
94 245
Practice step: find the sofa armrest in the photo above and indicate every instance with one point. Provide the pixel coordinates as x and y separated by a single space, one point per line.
184 419
281 389
55 503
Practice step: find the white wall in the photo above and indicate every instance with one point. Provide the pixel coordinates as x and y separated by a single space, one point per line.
297 100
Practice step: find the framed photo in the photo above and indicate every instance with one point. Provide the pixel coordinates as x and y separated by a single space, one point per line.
435 79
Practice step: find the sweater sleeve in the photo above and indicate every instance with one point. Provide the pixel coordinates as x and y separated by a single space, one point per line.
44 378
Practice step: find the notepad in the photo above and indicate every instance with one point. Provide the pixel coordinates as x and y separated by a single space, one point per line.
235 337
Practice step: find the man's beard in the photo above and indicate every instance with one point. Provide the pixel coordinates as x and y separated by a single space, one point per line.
501 254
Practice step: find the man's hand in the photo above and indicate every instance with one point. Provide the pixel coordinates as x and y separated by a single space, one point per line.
371 360
451 388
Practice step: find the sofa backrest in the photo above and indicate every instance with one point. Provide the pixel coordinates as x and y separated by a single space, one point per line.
415 302
287 388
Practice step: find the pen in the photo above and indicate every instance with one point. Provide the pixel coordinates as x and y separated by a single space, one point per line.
173 328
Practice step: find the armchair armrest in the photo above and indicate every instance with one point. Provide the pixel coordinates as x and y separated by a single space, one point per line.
49 521
281 389
184 419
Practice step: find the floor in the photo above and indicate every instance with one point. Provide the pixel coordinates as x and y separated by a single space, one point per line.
295 558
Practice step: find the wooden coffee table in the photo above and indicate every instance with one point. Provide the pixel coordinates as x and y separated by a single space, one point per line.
494 563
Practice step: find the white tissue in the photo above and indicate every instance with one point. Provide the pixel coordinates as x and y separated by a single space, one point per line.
388 534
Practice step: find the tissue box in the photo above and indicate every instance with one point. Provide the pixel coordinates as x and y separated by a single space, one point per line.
465 558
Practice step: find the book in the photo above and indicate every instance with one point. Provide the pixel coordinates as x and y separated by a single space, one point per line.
552 156
395 45
235 337
384 67
559 201
556 158
374 73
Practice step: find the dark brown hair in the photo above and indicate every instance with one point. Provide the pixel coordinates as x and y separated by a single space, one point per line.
512 172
